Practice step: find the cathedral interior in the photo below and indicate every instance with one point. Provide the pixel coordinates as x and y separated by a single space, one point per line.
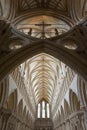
43 64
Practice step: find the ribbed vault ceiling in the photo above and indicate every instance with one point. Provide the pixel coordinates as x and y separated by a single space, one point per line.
30 4
72 9
43 74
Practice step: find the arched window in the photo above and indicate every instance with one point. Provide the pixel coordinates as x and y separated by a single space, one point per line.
38 111
48 111
43 110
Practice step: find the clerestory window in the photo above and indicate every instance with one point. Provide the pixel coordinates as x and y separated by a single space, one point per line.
43 110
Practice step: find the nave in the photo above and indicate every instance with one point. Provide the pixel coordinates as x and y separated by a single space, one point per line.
43 64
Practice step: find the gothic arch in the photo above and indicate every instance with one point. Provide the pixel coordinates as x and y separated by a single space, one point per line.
11 102
82 92
66 108
20 109
74 101
24 113
39 12
55 48
4 89
27 119
70 48
59 116
62 113
6 7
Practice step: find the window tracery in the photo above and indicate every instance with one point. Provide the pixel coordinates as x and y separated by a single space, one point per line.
43 110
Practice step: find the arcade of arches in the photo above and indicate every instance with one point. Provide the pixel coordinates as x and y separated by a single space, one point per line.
43 65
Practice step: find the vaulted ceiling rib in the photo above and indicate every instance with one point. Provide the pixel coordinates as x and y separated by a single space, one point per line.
43 71
43 74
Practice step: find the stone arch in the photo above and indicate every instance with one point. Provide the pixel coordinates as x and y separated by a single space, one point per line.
82 91
74 101
51 48
59 117
56 119
26 118
5 3
66 108
11 102
6 6
29 118
4 89
20 109
24 113
38 12
62 113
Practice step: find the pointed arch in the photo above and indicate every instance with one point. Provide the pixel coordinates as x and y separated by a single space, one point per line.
74 101
11 102
62 113
51 48
66 108
38 12
20 109
1 92
4 90
26 119
24 113
82 91
59 117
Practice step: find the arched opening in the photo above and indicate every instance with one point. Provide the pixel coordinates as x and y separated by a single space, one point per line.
43 110
74 102
20 109
11 102
37 64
